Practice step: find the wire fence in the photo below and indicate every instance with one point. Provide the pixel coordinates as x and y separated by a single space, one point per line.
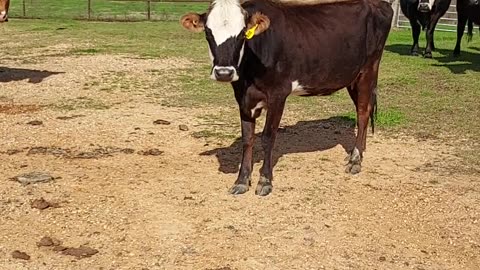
106 10
155 10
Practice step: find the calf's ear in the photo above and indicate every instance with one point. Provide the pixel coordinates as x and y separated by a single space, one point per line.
258 23
193 22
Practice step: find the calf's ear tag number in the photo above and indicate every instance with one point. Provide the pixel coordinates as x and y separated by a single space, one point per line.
251 32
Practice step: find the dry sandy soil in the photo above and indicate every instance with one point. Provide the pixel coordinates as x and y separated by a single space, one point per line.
410 208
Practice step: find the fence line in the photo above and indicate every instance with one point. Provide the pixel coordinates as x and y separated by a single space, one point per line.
121 10
140 10
447 23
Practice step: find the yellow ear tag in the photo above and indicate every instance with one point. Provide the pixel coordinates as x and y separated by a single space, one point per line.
251 32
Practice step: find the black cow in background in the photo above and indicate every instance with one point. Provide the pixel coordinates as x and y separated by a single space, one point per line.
467 11
425 14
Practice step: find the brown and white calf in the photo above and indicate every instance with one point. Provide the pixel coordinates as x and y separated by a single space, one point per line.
4 5
269 50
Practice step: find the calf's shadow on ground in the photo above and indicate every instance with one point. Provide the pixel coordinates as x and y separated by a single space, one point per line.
303 137
19 74
467 61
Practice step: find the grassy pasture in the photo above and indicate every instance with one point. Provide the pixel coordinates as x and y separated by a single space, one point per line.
102 9
427 98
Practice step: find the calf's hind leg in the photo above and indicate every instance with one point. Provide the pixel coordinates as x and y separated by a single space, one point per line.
276 106
363 93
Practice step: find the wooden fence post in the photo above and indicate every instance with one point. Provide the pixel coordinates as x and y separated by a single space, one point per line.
24 9
89 9
149 9
395 7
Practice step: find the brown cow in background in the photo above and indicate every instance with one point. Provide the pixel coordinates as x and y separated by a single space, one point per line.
4 5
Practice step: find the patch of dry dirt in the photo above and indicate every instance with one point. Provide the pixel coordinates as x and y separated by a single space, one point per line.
407 210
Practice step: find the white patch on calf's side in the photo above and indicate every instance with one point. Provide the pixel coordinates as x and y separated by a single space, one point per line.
260 105
226 20
297 89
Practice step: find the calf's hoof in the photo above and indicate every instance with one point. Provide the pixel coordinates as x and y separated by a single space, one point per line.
353 168
354 165
428 55
238 189
414 53
264 187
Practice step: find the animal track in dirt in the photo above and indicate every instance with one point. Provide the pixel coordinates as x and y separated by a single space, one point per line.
99 152
70 117
96 153
151 152
13 109
56 245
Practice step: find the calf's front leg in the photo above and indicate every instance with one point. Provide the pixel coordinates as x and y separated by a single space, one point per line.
243 181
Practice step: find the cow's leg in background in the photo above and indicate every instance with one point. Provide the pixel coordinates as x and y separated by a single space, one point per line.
415 34
363 93
430 31
276 105
461 23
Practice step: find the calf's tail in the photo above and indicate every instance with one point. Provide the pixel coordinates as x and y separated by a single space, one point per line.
373 113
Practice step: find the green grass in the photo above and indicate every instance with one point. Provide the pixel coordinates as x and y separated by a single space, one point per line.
102 9
143 39
388 118
432 97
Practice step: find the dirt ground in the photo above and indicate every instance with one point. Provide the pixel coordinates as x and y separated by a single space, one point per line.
149 196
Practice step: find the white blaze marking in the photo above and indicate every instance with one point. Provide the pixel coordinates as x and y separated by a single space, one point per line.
3 12
260 105
226 20
430 4
241 54
297 89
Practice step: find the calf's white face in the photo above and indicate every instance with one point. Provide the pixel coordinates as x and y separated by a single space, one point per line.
225 25
425 5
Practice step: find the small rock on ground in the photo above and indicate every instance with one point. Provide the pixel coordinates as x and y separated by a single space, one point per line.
48 242
35 123
43 204
20 255
80 252
161 122
183 127
33 177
